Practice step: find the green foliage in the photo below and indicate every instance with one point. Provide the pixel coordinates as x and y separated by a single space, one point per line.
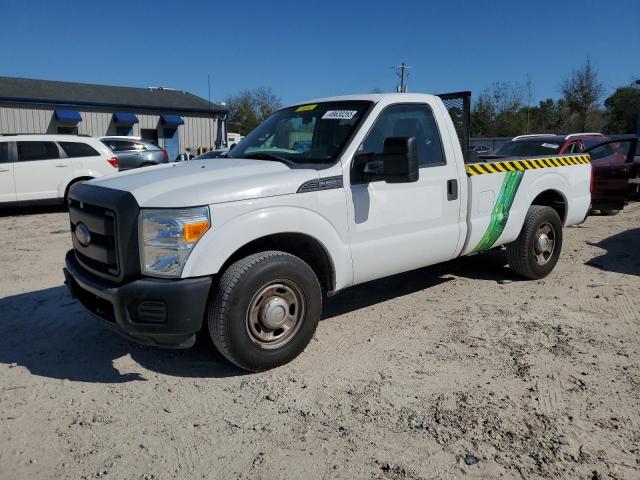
581 91
250 107
623 108
499 110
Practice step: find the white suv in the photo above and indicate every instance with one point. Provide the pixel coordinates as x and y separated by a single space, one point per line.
41 168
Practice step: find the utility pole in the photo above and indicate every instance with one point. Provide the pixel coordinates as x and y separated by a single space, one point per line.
401 71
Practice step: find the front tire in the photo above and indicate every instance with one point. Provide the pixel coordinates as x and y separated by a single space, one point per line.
265 311
535 252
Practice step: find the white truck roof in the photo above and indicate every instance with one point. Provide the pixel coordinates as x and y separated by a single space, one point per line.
371 97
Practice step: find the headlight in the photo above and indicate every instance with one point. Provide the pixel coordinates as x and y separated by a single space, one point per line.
168 236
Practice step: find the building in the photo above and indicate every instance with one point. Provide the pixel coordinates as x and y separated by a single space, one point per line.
174 119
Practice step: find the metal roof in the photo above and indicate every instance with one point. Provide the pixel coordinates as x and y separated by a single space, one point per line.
28 90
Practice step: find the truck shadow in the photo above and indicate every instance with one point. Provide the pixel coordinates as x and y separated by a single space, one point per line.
621 253
491 266
31 210
49 333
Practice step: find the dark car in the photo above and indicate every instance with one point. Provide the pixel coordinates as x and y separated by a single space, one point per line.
609 160
634 181
480 149
134 152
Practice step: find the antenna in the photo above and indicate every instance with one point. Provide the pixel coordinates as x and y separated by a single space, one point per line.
401 71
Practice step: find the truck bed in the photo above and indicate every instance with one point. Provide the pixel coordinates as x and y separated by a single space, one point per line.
501 191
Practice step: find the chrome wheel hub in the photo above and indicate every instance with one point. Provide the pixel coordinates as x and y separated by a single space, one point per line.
544 243
275 314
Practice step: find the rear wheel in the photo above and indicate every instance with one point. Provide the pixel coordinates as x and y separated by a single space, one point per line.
535 252
265 311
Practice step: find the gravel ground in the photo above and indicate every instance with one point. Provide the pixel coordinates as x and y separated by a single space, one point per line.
458 370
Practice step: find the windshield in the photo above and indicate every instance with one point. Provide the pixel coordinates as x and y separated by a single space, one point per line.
530 148
303 134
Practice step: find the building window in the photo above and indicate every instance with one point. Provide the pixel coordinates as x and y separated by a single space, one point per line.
124 131
67 130
150 134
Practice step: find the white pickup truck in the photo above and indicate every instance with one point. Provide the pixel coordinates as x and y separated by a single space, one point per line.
321 196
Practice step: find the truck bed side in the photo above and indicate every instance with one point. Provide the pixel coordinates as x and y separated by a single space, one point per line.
501 192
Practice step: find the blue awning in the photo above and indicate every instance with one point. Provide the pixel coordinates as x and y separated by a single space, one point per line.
68 116
171 120
125 118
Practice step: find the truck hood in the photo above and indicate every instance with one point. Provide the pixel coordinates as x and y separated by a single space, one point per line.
204 182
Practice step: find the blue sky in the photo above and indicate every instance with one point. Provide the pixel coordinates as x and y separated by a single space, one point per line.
303 49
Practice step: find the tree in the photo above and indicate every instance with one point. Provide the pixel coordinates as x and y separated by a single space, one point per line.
582 91
249 108
499 111
623 108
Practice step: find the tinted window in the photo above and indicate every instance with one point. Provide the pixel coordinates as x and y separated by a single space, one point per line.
415 120
528 148
602 151
572 148
76 149
120 145
4 152
147 146
37 151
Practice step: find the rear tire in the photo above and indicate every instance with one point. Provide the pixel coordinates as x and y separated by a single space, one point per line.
610 212
535 252
265 311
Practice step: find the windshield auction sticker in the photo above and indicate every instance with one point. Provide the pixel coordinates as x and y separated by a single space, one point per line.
306 108
550 145
339 114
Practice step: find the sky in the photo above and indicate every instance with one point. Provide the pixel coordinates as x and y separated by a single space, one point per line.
308 49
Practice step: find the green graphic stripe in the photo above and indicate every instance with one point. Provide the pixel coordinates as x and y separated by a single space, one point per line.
500 213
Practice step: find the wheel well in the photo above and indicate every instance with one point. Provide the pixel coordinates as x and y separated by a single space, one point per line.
72 182
553 199
302 246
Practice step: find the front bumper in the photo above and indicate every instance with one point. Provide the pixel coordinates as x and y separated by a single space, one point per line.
164 313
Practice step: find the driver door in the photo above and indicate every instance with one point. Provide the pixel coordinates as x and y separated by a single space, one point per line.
396 227
612 167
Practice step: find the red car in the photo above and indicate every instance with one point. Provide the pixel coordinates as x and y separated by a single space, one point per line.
610 159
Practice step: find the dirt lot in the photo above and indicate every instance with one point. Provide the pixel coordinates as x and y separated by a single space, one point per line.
459 370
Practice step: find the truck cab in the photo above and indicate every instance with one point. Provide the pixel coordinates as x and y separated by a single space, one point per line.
248 246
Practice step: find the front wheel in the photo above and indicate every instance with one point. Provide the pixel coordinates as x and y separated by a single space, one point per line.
265 311
535 252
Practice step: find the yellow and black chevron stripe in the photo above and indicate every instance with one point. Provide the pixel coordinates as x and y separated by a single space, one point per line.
528 164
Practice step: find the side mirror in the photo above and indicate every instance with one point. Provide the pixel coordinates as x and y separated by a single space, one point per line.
398 163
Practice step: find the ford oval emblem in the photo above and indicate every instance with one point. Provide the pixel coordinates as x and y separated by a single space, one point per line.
83 234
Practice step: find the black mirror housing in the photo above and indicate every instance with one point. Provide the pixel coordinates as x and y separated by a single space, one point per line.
397 164
400 160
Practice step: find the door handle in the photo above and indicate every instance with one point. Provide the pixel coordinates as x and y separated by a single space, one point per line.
61 165
4 169
452 189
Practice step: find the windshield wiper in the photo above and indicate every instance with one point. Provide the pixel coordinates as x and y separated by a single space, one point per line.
268 156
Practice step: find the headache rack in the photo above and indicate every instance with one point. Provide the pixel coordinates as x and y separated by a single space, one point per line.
458 104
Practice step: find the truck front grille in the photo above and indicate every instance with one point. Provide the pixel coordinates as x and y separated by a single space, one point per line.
100 253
